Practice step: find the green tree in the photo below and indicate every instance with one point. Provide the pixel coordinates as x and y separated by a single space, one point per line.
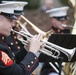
32 4
65 2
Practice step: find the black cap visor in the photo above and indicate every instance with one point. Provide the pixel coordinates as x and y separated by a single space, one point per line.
18 13
61 18
11 16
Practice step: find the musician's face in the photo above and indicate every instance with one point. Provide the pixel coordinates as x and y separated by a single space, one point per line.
64 21
58 23
6 25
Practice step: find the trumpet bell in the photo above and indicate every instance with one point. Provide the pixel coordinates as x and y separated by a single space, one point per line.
70 53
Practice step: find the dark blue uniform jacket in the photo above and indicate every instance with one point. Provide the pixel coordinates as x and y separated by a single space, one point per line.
18 64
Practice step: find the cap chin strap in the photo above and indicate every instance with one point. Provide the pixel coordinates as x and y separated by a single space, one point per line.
61 18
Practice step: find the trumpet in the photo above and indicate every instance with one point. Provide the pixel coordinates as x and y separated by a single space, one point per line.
32 25
35 28
49 48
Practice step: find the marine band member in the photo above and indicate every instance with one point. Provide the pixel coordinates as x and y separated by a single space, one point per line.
8 65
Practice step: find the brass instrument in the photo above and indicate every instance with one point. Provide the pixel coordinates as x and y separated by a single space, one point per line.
74 6
73 68
47 34
51 46
40 31
54 50
70 67
32 25
35 28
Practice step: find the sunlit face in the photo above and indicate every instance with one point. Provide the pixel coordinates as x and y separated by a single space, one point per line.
5 25
64 21
58 23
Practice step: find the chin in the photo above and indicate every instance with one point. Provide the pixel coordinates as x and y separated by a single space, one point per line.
7 34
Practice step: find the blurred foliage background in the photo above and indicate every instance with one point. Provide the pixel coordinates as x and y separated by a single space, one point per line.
32 4
65 2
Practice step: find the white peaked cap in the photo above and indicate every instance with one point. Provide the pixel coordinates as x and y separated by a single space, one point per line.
19 4
57 12
7 8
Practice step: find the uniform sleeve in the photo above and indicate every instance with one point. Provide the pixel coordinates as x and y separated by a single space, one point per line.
25 67
20 55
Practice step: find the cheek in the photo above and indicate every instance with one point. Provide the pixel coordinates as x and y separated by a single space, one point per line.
18 17
53 22
14 21
8 25
2 25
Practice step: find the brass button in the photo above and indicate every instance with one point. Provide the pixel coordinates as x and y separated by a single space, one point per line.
2 38
11 43
12 58
13 33
32 62
13 54
16 42
28 66
9 47
18 47
58 30
15 37
14 61
35 58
